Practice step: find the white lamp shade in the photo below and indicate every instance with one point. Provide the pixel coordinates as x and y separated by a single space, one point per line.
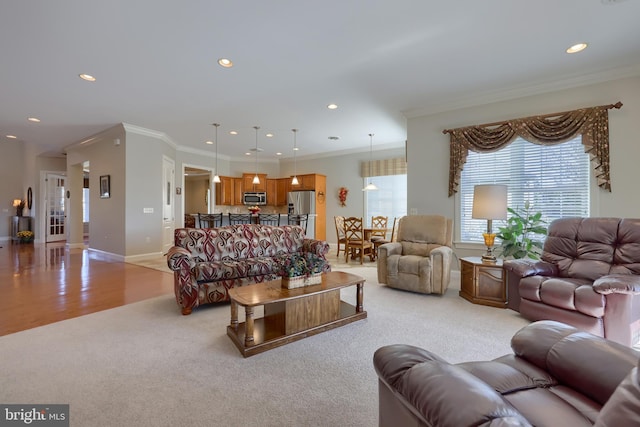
489 201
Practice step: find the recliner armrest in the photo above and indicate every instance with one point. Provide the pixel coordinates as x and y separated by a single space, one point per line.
391 248
527 267
432 389
617 284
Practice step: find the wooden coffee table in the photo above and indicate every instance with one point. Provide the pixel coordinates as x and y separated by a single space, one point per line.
292 314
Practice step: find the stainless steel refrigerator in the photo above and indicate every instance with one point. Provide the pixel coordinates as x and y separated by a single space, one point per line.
304 202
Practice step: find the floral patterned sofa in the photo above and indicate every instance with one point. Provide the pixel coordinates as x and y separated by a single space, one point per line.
207 262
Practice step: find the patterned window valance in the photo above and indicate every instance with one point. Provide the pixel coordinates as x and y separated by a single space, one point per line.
549 129
397 166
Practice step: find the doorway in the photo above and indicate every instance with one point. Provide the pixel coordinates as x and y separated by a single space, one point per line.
198 193
55 218
168 203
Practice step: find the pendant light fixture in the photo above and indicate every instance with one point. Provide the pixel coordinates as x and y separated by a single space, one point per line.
370 186
216 177
256 180
294 181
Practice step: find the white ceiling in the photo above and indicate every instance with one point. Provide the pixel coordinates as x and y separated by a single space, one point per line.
381 61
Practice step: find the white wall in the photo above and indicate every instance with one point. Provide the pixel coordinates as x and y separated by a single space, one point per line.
107 217
428 147
12 178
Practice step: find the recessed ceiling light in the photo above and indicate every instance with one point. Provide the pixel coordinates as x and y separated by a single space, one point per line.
247 153
577 48
87 77
332 106
278 154
233 132
334 138
226 63
12 136
295 149
209 142
269 135
34 119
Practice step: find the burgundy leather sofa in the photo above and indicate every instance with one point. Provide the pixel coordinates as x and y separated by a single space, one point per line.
557 376
588 277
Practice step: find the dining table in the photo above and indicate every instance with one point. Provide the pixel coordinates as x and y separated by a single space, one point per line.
368 231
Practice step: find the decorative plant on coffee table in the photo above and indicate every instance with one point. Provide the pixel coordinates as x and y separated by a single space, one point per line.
523 236
300 269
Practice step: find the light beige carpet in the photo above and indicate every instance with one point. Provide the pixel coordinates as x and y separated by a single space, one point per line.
145 364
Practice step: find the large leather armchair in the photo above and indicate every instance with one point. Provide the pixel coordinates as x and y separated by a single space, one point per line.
588 277
420 258
557 376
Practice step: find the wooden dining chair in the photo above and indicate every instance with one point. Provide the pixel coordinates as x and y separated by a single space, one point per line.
210 220
341 238
355 242
239 218
394 236
298 219
378 222
269 219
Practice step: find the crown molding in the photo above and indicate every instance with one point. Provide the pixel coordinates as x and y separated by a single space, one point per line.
528 90
139 130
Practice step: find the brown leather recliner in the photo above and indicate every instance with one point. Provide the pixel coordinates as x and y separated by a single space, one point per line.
588 277
558 376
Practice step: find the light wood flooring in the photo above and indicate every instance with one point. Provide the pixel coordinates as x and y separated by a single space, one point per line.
42 284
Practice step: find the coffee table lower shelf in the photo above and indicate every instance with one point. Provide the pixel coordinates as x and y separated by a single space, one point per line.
269 333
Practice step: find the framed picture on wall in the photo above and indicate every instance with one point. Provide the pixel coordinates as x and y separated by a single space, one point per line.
105 186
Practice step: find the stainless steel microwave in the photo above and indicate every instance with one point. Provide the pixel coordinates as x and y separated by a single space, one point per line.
255 198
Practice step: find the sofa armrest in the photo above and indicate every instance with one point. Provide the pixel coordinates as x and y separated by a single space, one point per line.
316 247
432 390
617 284
178 258
527 267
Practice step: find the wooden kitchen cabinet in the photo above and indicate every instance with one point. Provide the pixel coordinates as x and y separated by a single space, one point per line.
307 182
483 283
281 191
238 191
224 191
248 185
272 192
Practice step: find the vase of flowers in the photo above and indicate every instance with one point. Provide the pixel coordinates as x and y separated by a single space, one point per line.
25 236
254 209
300 270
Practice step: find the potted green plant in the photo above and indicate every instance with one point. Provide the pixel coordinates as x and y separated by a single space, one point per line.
299 270
523 235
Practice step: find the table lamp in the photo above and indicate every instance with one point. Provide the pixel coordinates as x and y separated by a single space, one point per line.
489 202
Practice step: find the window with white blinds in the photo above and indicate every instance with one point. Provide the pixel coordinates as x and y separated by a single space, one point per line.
554 179
389 200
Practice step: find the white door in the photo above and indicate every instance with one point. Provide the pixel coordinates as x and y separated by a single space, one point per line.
56 216
168 204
